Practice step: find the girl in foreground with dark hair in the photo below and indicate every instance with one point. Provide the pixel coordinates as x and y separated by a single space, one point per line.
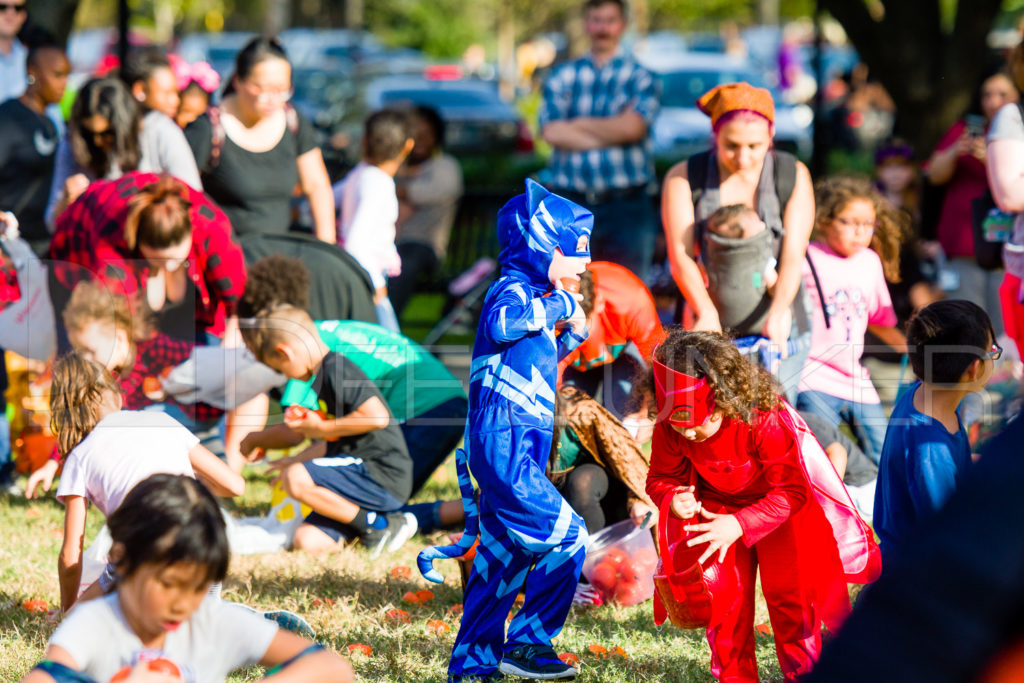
729 450
169 546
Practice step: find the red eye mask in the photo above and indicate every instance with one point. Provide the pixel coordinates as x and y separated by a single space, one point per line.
683 400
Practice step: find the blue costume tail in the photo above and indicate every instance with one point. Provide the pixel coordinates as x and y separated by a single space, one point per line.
425 560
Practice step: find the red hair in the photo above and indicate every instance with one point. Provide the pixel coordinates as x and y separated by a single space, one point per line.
158 216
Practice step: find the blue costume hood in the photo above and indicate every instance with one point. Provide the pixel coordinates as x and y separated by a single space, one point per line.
533 224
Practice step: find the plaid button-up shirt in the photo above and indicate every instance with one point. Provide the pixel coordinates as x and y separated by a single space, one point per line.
582 88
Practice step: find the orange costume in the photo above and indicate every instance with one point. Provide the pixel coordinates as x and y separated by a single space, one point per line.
799 528
624 312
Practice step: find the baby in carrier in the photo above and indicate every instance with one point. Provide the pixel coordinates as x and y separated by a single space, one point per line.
739 257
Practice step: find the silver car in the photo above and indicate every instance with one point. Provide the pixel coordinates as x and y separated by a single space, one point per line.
681 129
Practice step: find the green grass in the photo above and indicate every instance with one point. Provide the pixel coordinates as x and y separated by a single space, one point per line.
362 593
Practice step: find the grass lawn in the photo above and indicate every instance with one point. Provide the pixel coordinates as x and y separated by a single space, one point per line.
361 591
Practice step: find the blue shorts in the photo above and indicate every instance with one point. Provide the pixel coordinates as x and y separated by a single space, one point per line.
349 478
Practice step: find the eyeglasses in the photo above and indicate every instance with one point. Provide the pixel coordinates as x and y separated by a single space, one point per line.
262 95
19 9
856 226
995 353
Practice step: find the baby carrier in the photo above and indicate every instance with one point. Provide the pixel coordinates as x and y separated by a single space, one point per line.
736 267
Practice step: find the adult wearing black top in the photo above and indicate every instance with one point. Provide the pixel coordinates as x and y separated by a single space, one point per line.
253 149
28 141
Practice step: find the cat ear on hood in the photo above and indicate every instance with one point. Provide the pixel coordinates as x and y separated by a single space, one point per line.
535 194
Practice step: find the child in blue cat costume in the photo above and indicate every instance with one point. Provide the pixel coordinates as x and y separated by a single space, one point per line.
529 535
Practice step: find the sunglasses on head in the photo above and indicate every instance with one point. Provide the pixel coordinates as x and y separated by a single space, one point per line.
5 6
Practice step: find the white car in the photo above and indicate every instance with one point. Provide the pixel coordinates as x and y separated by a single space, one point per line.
681 129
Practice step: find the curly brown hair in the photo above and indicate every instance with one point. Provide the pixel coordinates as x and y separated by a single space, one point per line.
741 387
276 279
892 226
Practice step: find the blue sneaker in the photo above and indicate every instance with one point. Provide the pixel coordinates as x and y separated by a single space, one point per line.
290 621
539 662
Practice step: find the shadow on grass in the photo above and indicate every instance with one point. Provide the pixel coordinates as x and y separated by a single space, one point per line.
47 499
275 588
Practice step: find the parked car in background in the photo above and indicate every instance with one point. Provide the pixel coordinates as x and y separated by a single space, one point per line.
478 120
218 49
681 129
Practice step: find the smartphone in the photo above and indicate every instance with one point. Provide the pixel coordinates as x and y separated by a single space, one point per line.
975 125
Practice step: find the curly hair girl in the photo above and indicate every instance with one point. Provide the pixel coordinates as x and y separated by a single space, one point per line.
740 387
891 228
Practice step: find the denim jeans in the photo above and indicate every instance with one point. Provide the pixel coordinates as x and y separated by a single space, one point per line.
867 421
625 231
432 436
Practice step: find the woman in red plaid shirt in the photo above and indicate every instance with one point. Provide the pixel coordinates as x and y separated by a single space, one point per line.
153 240
164 247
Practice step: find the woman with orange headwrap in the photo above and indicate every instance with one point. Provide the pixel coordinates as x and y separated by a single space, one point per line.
742 168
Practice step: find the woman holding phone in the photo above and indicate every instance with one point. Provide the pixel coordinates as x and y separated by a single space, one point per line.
959 163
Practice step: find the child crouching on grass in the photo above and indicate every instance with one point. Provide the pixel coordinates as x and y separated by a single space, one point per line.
169 546
107 452
734 462
358 474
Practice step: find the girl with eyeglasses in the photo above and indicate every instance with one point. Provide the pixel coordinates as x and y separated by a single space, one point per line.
254 148
108 137
855 250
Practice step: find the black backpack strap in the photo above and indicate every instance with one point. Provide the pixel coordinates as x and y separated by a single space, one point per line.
817 286
697 175
216 137
785 178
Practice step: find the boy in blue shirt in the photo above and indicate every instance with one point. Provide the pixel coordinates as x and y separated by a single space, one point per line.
926 452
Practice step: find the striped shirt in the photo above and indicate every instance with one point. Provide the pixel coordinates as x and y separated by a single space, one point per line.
582 88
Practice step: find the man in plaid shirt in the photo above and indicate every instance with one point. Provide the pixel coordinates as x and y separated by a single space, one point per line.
597 113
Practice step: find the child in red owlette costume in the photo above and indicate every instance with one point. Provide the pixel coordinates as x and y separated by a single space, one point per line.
749 488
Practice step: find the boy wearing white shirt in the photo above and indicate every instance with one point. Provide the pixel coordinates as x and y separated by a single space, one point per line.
369 204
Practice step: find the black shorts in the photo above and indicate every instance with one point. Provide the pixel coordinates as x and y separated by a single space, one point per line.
348 477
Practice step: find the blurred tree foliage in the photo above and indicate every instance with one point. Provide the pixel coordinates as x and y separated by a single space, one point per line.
445 28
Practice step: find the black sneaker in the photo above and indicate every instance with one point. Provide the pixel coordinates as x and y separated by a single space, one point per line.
538 662
401 527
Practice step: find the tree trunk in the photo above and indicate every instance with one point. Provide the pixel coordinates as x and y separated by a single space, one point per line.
55 16
278 17
930 74
507 74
